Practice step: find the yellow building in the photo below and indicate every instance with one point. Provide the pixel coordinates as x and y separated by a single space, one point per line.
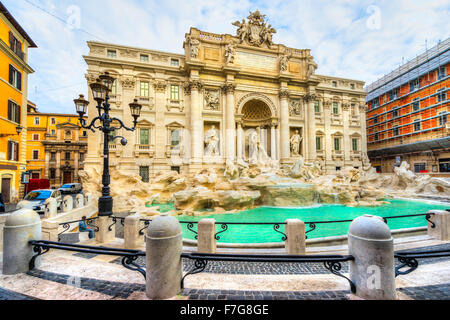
56 146
14 71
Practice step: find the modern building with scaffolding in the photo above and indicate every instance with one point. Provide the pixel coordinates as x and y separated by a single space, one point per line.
407 114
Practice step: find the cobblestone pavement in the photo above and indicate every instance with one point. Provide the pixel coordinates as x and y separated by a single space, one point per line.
434 292
10 295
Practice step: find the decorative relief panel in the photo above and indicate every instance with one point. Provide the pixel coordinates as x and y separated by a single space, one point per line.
212 100
128 53
295 108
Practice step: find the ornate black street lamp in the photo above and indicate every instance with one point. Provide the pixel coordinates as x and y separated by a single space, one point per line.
100 90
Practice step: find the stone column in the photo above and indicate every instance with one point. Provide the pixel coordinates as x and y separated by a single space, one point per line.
131 236
273 144
196 123
206 236
20 227
50 230
372 271
164 244
347 145
240 142
284 126
230 124
105 233
310 127
296 240
441 220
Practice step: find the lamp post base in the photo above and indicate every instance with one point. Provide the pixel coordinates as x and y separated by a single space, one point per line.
105 206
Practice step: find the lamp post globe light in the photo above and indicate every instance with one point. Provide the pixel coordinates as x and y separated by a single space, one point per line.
100 90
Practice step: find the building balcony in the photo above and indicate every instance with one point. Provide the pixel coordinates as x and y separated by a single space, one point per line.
338 155
177 104
144 149
319 118
336 120
355 154
113 149
320 154
174 151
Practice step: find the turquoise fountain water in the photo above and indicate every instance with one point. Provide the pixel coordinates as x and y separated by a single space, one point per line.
266 233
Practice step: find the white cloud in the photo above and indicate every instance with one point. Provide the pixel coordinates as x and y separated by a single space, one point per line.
336 32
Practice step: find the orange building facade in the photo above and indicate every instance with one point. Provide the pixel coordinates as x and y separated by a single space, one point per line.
407 115
56 146
14 71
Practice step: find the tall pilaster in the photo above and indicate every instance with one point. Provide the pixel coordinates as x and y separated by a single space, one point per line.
76 165
230 124
240 142
362 114
310 123
284 125
128 95
346 121
328 140
196 123
58 166
46 164
160 89
273 145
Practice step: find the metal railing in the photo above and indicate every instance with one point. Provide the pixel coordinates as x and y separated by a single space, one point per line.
115 219
66 225
129 256
331 262
410 259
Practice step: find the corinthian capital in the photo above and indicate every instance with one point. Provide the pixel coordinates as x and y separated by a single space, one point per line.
160 86
128 83
310 97
283 94
228 88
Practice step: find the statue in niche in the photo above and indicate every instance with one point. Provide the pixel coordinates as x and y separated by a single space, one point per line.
295 108
212 142
212 99
284 61
230 52
295 141
312 66
256 151
253 145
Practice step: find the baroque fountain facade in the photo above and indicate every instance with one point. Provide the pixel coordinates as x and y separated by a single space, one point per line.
236 122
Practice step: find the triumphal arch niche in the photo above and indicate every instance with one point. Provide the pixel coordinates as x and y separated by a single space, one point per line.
229 98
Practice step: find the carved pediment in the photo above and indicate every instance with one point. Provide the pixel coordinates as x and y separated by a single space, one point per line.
255 32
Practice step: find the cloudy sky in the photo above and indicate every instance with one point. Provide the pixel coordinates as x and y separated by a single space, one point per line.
355 39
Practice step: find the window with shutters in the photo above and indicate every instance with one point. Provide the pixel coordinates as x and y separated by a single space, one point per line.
13 151
16 45
15 77
144 173
174 92
37 120
144 136
13 111
36 136
35 154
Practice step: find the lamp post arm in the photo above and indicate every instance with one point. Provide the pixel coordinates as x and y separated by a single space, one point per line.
92 124
122 125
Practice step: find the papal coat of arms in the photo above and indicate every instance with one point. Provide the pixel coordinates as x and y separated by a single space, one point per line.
255 31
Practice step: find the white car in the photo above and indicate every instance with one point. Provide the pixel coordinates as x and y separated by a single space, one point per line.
70 188
35 199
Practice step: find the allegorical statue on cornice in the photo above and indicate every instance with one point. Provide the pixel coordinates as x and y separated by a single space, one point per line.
255 31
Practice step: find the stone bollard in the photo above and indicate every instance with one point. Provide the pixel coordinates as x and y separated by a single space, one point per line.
51 208
131 236
164 244
2 224
296 240
20 227
88 198
105 232
206 236
67 203
371 243
50 230
79 201
441 220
